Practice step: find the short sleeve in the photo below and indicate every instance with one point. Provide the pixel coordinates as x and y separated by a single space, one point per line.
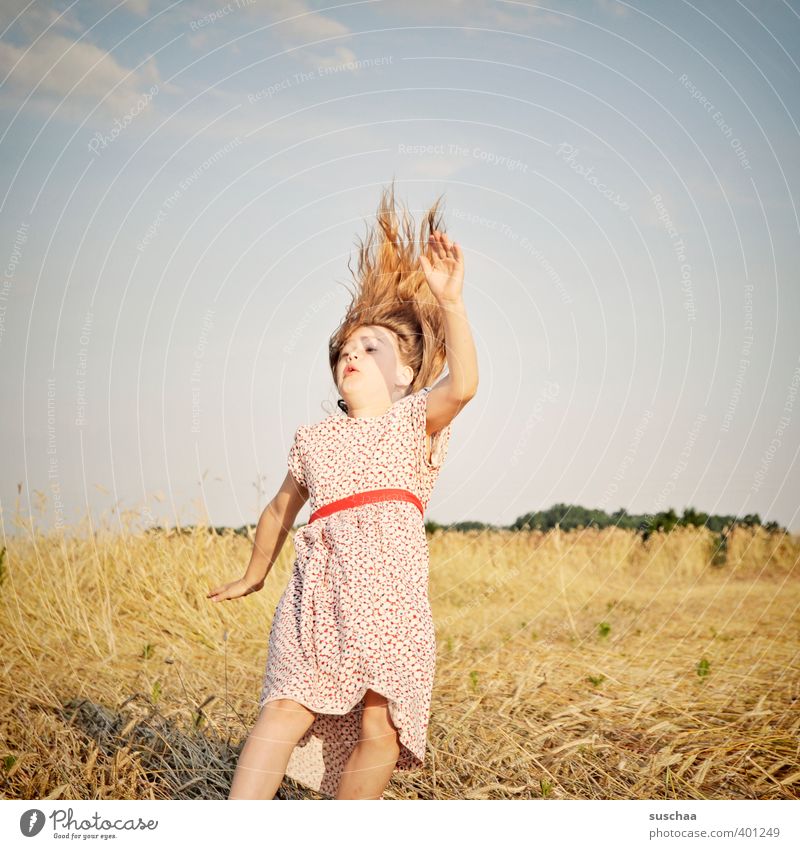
296 453
440 440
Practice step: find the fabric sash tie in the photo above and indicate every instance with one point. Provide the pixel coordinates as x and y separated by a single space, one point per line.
317 601
366 497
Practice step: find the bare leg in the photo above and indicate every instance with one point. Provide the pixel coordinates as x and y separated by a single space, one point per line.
266 752
370 766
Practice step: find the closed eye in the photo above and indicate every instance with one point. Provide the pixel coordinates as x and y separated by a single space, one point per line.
366 349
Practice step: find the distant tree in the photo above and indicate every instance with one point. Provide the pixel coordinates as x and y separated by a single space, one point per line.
569 517
692 517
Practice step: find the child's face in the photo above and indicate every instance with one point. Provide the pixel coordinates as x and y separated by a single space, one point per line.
372 350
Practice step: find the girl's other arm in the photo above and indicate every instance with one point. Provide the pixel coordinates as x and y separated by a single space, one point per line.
273 526
445 276
454 391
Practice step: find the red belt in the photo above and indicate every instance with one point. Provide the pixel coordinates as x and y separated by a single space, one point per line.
366 498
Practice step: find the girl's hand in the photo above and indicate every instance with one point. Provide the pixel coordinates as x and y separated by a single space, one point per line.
446 275
235 589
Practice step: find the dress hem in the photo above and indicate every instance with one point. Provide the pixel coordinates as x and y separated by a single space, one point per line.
391 702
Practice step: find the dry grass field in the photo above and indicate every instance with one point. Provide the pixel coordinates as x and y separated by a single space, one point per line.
587 665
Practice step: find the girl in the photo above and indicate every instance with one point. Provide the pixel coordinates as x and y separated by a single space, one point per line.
347 688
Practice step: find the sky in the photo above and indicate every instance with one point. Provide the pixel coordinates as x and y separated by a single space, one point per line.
182 186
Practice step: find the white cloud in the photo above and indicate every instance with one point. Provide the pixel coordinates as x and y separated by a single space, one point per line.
339 57
32 19
138 7
299 23
296 25
514 17
614 7
290 23
135 7
56 65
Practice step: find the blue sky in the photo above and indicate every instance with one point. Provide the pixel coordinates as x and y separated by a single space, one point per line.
182 185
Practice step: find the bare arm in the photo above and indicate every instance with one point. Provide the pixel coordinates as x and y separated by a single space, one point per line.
455 390
273 526
445 276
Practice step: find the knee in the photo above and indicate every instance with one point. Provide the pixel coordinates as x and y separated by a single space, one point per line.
378 732
286 714
282 704
380 736
288 708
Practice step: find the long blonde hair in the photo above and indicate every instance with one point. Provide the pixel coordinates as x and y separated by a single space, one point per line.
391 291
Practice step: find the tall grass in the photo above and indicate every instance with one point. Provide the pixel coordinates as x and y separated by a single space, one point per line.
584 665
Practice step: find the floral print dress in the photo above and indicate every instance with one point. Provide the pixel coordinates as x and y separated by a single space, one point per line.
355 614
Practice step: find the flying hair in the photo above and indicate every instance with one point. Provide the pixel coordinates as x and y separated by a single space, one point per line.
391 291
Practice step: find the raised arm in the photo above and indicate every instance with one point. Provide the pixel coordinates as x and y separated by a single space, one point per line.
445 277
275 523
